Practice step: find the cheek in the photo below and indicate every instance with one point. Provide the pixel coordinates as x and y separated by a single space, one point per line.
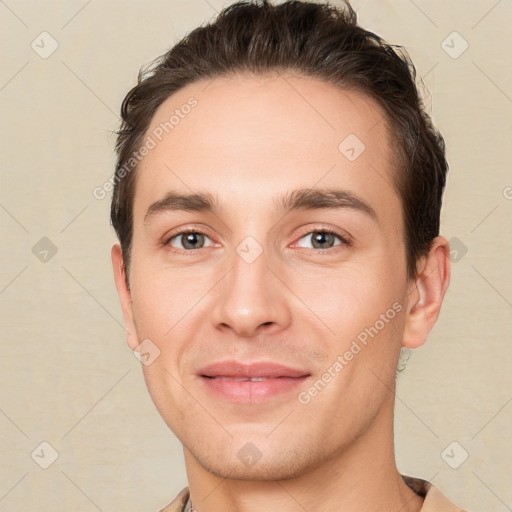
162 298
365 314
169 309
161 311
350 299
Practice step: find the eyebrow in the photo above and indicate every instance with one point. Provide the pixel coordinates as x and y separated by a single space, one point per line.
300 199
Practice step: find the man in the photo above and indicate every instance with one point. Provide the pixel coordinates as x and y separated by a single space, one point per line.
277 199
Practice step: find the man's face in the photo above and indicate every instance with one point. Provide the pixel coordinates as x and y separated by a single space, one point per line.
254 288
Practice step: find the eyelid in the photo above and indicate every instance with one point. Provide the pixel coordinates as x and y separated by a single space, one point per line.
181 231
346 239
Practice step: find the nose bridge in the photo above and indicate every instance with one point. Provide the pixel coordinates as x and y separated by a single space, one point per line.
251 295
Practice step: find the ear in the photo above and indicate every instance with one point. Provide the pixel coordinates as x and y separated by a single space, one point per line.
124 293
426 294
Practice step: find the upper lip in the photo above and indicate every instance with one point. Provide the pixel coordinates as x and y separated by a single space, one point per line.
250 370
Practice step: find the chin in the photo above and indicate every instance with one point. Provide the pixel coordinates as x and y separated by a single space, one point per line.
279 466
259 472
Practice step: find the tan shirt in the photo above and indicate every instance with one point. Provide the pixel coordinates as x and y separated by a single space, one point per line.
434 500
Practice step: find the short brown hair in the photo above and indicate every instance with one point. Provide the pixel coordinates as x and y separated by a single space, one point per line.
317 40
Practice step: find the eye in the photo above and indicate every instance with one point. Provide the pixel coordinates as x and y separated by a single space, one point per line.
188 240
324 239
320 239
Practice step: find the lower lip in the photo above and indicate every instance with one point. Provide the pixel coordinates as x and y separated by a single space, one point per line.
247 391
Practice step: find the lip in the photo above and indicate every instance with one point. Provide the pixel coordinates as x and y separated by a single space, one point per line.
277 380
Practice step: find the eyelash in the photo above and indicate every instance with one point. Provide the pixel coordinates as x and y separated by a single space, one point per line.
345 242
344 239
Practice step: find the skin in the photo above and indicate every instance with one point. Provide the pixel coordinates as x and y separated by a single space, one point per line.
248 139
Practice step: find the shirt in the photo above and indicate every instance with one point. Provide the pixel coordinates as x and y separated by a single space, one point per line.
434 500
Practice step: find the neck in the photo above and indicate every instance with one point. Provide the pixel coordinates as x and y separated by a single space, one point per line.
362 477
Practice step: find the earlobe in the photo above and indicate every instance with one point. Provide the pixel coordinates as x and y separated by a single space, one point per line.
124 293
426 294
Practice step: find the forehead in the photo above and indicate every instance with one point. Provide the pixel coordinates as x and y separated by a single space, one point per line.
249 138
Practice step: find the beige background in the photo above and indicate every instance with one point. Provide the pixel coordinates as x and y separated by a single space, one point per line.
67 376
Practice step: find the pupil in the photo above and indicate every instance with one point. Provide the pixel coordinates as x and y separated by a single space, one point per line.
321 238
192 239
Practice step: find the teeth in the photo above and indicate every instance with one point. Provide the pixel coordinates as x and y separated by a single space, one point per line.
242 379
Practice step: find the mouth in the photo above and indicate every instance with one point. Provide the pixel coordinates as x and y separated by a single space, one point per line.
240 379
250 382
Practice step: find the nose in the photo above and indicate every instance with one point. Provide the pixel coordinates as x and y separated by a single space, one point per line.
252 299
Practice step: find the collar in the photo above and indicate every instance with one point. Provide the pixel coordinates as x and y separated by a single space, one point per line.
434 500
